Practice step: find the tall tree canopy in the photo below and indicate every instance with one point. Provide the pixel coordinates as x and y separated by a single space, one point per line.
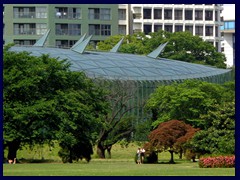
44 101
181 46
219 137
187 101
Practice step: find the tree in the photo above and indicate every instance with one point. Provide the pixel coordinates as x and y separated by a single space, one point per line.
170 136
186 101
219 137
41 95
117 124
184 46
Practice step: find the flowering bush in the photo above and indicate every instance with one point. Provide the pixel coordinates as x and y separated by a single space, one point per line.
217 162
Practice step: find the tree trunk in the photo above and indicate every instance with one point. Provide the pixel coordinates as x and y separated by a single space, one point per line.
109 151
13 146
180 153
171 160
101 151
70 160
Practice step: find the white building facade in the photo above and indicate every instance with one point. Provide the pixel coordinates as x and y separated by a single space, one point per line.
228 34
200 19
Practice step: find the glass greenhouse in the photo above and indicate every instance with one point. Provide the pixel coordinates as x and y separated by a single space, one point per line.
138 75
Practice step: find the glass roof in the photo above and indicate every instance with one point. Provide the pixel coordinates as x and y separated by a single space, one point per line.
121 66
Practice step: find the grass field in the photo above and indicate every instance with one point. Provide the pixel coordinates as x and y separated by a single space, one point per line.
121 164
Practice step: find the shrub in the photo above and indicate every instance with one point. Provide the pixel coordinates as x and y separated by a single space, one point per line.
217 162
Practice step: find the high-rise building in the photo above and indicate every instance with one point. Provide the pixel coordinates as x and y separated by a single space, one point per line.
228 34
25 23
199 19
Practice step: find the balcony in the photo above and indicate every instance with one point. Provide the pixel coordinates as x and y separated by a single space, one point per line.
19 31
30 15
29 31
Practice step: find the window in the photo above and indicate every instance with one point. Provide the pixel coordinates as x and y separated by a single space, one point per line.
167 14
208 15
189 28
178 28
97 29
199 30
229 25
41 28
147 14
157 13
65 43
178 14
157 27
147 28
74 29
168 28
61 12
208 31
122 29
41 12
61 29
24 42
216 16
96 13
62 44
198 15
216 31
28 12
94 29
24 29
188 14
121 14
105 30
105 14
74 13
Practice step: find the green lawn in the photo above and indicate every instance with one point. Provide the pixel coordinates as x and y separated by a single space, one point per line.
113 168
121 164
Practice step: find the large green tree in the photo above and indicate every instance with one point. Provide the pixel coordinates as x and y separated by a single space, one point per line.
219 137
186 101
44 101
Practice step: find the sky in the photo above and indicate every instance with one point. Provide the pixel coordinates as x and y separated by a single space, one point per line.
229 11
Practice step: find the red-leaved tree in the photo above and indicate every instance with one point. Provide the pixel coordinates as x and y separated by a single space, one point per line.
170 136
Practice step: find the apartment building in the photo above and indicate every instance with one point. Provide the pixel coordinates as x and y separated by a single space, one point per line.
199 19
25 23
228 34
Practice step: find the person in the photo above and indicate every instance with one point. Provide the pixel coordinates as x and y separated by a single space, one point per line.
139 156
142 154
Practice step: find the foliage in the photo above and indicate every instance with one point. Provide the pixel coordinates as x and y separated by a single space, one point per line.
219 137
44 101
187 101
142 130
217 162
170 136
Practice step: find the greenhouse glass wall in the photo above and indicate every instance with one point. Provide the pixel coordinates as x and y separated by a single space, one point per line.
135 75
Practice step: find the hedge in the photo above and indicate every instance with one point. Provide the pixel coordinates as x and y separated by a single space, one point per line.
217 162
